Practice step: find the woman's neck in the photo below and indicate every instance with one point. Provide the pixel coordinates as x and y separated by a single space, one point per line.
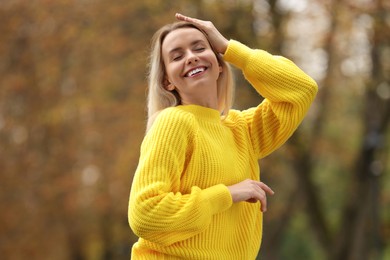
208 101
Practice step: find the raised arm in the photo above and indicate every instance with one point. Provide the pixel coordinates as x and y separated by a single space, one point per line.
287 90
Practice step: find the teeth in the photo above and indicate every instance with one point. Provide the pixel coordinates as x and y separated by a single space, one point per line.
197 70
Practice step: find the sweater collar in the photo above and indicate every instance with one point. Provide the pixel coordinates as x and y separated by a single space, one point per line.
201 112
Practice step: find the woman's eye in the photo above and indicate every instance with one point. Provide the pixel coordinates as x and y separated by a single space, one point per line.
200 49
177 57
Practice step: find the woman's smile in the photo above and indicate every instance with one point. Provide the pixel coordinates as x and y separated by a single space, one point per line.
196 71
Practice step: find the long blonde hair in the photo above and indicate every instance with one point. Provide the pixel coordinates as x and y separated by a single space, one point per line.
160 98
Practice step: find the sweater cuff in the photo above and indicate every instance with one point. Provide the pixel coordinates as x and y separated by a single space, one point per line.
237 54
218 197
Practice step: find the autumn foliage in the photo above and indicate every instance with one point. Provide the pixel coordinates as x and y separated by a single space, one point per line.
72 118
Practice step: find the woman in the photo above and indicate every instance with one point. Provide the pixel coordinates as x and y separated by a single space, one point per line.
198 166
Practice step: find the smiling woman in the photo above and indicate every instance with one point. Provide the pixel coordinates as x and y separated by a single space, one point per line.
162 93
191 66
197 193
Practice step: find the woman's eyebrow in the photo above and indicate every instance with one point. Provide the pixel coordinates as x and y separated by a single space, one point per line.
195 42
175 50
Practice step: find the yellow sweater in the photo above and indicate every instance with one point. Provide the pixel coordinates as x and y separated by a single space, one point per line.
180 205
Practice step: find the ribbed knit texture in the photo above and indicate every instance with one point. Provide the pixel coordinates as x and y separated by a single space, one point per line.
180 205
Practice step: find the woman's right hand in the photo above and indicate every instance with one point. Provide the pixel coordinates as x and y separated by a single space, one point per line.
217 40
251 191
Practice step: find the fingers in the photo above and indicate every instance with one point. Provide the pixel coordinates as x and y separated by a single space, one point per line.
263 204
181 17
263 198
266 188
254 191
259 193
206 26
217 40
251 191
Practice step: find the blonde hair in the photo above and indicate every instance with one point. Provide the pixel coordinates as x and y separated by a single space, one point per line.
160 98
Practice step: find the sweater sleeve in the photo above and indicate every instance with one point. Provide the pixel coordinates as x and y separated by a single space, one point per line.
158 211
287 90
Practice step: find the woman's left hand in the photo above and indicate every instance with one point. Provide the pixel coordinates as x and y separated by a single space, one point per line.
217 40
251 191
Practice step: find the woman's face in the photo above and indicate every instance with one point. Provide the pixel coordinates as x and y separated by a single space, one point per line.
191 65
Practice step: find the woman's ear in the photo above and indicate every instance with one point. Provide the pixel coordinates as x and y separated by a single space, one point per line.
220 69
168 85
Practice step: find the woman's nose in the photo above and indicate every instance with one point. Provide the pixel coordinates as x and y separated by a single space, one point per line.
192 57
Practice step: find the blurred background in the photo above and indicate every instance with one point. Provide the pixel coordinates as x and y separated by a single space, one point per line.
72 118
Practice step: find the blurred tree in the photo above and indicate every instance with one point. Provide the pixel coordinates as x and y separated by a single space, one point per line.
361 222
356 230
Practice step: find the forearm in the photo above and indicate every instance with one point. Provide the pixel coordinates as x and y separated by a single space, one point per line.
153 214
274 77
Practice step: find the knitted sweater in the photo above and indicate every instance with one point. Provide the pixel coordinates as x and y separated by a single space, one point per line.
180 205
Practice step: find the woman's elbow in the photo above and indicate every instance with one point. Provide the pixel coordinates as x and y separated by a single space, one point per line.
313 87
137 222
